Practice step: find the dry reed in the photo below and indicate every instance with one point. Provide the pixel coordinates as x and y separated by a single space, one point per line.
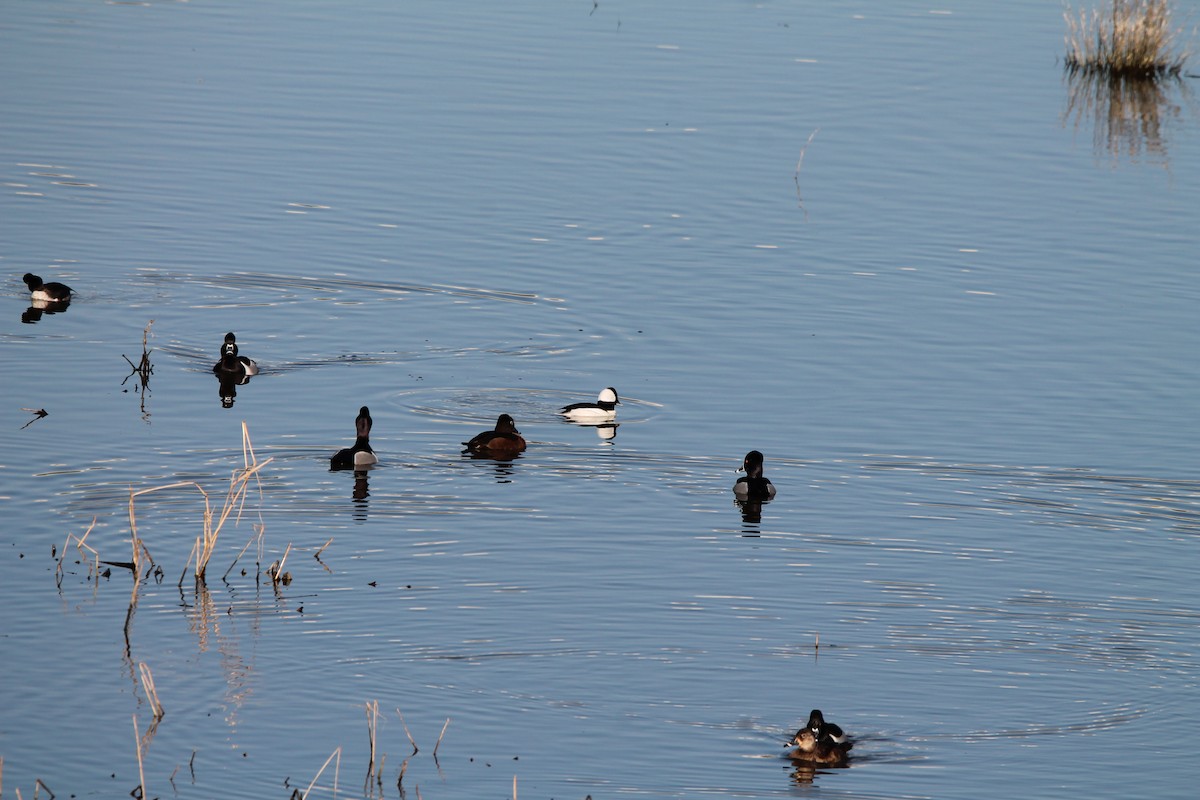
411 740
440 735
1134 38
336 768
372 726
80 545
137 740
151 694
206 542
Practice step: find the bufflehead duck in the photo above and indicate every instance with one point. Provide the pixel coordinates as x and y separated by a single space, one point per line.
818 751
504 440
361 454
823 730
753 486
232 365
53 292
603 410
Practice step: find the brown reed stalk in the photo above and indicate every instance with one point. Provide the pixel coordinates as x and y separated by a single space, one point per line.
337 766
152 695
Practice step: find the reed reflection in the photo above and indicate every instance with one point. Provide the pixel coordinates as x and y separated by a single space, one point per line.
1129 113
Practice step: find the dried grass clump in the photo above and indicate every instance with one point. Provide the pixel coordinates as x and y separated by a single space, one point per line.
1135 38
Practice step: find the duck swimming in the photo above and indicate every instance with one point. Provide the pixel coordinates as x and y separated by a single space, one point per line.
504 440
818 751
361 454
825 730
53 292
603 410
232 366
753 486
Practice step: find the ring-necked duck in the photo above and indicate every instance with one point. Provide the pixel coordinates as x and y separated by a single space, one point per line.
53 292
604 409
824 730
753 486
818 751
361 454
504 440
232 365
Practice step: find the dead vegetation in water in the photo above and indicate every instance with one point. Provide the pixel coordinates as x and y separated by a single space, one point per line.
1132 38
1124 74
143 370
212 525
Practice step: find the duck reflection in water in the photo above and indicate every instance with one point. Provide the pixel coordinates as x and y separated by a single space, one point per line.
360 493
39 307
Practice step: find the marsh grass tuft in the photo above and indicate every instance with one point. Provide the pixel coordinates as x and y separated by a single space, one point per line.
1134 38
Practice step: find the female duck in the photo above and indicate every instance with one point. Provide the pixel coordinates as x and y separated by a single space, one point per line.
818 751
361 454
603 410
753 486
232 366
505 440
52 292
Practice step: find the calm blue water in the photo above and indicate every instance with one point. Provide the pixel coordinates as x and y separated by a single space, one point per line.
963 333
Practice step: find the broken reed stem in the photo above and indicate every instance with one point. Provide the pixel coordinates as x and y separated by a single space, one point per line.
514 787
440 735
80 545
137 740
336 753
283 560
151 694
238 558
317 555
406 733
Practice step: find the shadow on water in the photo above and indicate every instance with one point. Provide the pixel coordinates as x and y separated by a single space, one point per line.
1129 114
